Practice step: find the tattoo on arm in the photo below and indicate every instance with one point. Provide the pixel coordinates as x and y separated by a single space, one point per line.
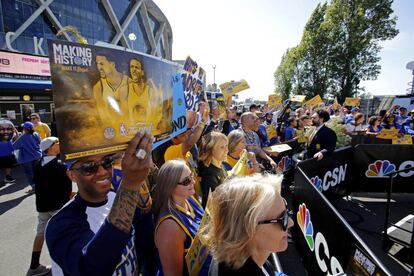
123 209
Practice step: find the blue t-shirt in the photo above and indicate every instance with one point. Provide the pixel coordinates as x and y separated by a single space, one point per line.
400 119
6 148
28 146
371 129
348 119
290 133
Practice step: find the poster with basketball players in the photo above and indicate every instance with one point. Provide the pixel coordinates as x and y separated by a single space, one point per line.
104 96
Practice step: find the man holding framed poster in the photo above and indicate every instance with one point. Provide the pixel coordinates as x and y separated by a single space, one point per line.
100 89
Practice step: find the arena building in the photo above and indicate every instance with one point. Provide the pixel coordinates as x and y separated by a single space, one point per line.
26 25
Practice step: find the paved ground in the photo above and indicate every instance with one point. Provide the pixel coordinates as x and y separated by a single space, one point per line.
18 219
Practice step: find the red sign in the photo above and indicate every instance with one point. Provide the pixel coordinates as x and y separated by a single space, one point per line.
24 64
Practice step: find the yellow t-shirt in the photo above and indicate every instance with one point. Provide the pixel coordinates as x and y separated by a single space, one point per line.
232 162
176 152
42 129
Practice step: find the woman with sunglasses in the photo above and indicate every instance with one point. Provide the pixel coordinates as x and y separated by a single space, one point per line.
178 216
389 122
249 221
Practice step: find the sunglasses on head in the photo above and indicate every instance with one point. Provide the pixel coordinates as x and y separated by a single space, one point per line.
283 220
187 181
90 168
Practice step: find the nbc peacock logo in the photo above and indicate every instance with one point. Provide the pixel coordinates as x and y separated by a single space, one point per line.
380 168
284 164
304 221
317 182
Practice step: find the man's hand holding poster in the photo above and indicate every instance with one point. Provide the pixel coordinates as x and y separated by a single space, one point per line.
104 96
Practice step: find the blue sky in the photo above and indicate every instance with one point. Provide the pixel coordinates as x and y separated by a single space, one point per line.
246 39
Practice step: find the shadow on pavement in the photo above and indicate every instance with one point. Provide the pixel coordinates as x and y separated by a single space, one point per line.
12 188
7 205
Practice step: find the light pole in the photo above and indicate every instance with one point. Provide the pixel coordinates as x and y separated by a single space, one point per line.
214 74
132 37
410 66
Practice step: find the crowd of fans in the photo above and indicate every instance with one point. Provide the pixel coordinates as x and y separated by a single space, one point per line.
149 223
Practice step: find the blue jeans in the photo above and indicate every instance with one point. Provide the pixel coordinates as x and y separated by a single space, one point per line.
28 168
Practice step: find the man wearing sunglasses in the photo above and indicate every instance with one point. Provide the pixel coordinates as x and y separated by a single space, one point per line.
41 128
95 233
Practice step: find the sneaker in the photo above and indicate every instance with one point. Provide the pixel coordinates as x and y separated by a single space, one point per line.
40 270
9 179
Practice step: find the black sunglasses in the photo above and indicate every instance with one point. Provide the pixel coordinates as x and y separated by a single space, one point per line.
283 220
187 181
90 168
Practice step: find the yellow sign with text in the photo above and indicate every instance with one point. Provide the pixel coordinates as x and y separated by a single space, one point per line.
314 102
335 104
198 253
388 133
274 100
232 87
351 101
298 98
404 140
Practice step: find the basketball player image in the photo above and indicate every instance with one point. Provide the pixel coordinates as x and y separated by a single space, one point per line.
111 93
138 98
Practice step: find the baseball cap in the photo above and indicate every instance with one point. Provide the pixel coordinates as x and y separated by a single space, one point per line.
27 125
48 142
355 109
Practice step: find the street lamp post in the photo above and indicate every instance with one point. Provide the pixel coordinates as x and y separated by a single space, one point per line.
132 37
214 74
410 66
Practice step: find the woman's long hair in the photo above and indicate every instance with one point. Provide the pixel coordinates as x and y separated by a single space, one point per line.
168 177
207 144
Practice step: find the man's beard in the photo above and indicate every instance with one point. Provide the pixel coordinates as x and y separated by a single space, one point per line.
269 121
315 123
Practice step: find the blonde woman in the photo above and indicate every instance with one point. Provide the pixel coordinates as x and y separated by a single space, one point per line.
178 216
237 145
249 221
213 152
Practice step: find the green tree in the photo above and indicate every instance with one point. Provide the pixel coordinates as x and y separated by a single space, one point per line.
283 76
356 27
315 49
339 49
288 77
